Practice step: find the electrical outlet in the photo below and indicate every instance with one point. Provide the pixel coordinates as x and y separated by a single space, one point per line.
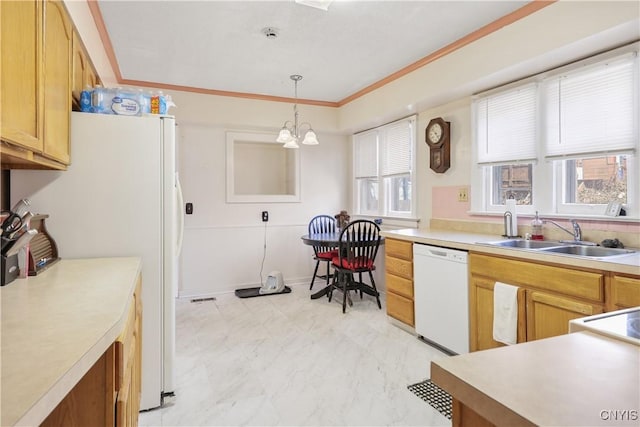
462 194
265 216
189 208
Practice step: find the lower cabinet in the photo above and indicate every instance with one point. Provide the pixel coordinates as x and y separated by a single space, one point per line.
109 393
128 368
549 315
399 280
625 292
481 315
548 297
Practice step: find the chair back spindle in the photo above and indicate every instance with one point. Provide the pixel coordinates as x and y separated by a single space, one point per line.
359 243
322 224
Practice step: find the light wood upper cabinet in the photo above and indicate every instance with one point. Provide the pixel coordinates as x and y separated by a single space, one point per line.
84 75
57 81
21 95
79 67
43 60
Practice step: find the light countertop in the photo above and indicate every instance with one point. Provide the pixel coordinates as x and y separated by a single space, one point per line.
571 379
629 264
55 326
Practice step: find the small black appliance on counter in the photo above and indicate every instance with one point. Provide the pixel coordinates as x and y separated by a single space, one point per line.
43 251
9 268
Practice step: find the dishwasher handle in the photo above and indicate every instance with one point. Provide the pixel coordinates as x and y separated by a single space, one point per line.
440 253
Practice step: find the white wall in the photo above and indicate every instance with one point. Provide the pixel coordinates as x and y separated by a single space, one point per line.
557 34
223 242
458 113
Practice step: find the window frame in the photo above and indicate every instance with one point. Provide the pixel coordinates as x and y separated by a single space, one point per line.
385 182
548 177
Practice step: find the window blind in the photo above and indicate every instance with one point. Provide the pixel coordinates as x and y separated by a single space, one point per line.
594 110
366 154
506 126
397 140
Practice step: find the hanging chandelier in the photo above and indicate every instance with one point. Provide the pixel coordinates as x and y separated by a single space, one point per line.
290 132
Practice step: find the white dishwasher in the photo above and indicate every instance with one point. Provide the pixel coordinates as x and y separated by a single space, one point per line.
441 297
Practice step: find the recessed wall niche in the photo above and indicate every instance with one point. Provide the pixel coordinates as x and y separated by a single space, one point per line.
260 170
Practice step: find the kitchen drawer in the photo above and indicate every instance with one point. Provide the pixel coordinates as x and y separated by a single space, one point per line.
578 283
400 308
399 267
399 249
399 285
625 292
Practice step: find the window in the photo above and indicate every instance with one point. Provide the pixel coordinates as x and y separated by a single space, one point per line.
383 170
590 133
506 145
566 142
597 180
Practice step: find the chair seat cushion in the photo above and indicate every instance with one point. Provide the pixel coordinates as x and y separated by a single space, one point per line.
358 263
327 255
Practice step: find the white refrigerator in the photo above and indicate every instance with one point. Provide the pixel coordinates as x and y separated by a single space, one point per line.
121 197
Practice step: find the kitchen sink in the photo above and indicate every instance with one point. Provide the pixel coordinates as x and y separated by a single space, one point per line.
563 248
588 251
525 244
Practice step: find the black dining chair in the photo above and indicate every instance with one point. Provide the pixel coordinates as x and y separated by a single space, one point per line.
358 247
322 252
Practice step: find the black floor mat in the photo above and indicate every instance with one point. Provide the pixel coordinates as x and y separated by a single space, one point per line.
433 395
255 292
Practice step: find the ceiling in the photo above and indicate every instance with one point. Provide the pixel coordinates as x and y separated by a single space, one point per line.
220 45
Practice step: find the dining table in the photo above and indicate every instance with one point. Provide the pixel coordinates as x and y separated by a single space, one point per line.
331 240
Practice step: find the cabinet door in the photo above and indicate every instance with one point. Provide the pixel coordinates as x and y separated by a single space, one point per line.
549 315
625 292
481 315
57 81
83 75
400 308
79 69
21 73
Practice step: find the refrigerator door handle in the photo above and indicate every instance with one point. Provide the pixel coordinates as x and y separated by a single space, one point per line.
180 216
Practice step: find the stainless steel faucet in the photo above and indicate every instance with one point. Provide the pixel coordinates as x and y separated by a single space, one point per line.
576 233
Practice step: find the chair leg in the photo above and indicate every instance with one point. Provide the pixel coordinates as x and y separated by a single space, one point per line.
360 278
333 285
328 267
373 284
315 271
344 294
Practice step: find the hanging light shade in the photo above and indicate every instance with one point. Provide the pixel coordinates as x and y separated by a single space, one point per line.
284 135
310 138
290 133
291 144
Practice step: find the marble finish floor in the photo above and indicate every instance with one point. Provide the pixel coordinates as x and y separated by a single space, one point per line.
285 360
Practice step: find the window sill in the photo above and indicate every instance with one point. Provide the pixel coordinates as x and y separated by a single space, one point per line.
389 222
602 218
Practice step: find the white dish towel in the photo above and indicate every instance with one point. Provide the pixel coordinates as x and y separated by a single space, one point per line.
505 313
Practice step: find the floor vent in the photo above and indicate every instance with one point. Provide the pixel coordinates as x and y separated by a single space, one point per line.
203 299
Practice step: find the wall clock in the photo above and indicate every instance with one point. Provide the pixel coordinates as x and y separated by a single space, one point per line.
437 137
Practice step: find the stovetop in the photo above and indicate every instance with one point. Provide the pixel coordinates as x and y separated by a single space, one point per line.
624 323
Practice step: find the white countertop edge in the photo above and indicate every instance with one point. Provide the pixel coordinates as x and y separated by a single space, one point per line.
50 400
